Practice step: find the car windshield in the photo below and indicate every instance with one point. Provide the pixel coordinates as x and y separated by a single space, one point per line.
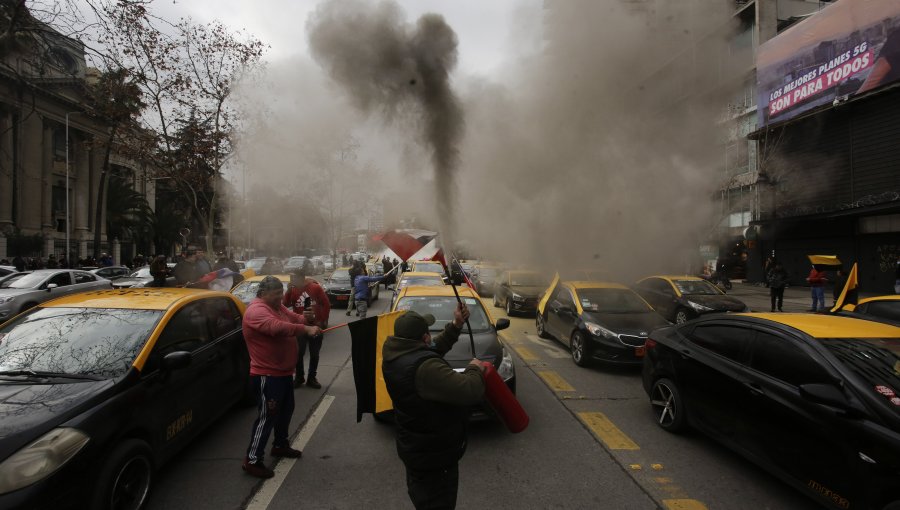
487 272
23 281
526 280
876 361
612 301
340 276
442 308
143 272
84 341
429 267
428 281
246 291
256 264
701 287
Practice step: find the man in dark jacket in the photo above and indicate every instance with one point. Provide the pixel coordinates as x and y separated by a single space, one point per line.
777 281
185 271
431 405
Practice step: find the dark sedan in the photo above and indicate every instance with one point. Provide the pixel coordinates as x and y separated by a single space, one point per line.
519 291
337 287
812 399
598 321
484 278
682 298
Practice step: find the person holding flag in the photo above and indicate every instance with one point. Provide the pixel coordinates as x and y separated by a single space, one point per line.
431 405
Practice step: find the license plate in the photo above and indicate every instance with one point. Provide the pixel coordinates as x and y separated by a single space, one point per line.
343 298
640 351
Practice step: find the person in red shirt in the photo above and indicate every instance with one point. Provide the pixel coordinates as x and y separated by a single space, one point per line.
270 331
817 281
301 290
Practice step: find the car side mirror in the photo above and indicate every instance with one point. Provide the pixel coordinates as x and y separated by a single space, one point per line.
176 360
829 395
502 324
51 286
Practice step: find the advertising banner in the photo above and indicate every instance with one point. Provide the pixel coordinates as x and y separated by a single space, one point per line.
846 49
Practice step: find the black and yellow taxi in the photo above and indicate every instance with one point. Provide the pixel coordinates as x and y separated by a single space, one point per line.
599 321
99 389
440 302
812 399
877 307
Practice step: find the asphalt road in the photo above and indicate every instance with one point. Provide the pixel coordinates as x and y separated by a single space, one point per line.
591 443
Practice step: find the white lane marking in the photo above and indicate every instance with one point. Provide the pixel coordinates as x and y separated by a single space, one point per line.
266 493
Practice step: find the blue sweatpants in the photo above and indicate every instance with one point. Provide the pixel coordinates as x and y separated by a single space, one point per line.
275 398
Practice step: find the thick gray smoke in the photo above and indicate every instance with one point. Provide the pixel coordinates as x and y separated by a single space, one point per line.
402 71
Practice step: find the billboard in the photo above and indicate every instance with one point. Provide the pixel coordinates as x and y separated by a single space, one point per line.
846 49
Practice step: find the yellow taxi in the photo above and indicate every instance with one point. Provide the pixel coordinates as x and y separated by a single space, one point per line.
102 387
246 290
426 266
878 307
440 302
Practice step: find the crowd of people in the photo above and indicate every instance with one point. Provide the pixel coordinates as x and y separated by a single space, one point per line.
61 262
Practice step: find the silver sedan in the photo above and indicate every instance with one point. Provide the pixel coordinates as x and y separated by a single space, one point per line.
21 291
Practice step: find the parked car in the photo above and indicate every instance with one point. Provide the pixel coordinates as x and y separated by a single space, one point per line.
682 298
256 263
484 278
327 264
107 387
141 278
337 287
294 263
599 321
440 302
22 291
7 270
246 290
112 272
812 399
519 291
426 266
417 278
878 307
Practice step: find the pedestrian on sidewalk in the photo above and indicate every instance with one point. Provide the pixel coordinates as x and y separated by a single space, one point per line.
270 331
777 281
817 281
306 297
432 403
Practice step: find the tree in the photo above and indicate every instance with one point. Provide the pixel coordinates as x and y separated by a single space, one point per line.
128 215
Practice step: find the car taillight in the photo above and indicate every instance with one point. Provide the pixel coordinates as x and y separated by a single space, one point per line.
650 343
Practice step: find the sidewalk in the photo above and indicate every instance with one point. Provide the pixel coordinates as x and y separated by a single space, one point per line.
796 299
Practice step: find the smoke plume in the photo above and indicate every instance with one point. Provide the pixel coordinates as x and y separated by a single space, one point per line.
401 71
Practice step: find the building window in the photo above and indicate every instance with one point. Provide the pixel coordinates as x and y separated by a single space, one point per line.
739 219
737 158
879 224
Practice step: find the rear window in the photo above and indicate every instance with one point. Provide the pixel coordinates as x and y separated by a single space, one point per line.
876 361
84 341
442 308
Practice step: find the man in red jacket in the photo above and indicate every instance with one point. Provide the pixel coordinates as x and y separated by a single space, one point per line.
271 331
817 281
301 290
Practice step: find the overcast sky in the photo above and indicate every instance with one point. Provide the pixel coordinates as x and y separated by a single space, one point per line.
484 27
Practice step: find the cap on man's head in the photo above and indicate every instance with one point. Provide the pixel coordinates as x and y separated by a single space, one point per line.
412 325
269 283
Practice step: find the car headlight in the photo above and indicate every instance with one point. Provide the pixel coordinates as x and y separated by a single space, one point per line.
507 369
516 297
6 299
41 458
598 330
698 307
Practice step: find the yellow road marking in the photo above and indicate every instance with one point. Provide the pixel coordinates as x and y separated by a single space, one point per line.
604 429
656 467
683 504
635 467
556 382
525 353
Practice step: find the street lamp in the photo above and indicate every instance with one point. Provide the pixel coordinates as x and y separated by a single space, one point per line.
68 252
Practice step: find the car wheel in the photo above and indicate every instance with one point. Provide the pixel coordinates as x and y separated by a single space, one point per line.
668 406
578 347
125 479
682 316
539 326
509 311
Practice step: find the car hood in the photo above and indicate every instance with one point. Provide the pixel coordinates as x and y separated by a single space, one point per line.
336 286
720 303
29 410
528 291
487 348
627 323
15 292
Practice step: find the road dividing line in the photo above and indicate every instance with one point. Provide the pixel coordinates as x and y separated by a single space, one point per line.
604 429
554 380
269 488
525 353
683 504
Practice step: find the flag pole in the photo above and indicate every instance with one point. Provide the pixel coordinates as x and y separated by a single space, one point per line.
458 300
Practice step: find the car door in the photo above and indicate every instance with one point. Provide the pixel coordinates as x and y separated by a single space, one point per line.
561 316
191 393
63 285
803 440
710 372
227 349
85 281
